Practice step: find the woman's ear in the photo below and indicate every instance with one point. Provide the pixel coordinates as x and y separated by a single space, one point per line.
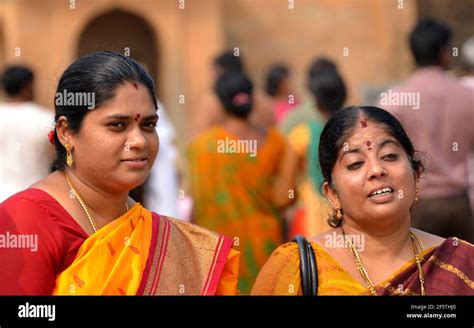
65 135
417 174
331 195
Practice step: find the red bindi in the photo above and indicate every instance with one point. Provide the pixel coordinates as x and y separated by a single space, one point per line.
368 145
364 123
137 117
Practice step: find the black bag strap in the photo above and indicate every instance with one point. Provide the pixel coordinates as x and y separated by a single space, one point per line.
308 266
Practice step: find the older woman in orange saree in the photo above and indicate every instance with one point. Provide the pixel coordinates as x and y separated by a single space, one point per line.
371 178
447 271
76 232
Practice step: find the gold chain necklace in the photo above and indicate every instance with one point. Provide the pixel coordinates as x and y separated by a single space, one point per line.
365 275
89 216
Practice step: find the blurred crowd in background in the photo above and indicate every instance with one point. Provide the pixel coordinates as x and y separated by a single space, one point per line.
263 197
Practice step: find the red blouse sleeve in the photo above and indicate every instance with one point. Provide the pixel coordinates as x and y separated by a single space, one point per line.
31 248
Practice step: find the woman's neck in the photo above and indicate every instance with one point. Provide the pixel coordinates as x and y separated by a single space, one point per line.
235 122
382 243
104 207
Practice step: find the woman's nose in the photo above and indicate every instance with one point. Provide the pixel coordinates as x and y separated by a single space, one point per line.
376 169
137 140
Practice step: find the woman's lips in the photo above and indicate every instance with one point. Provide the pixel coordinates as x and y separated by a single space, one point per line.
382 198
138 163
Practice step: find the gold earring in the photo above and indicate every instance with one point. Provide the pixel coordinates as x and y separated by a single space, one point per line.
339 214
416 200
69 159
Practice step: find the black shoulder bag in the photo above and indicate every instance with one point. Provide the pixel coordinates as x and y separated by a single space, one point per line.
308 266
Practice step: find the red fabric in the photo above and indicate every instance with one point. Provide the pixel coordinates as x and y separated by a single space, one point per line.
298 224
34 212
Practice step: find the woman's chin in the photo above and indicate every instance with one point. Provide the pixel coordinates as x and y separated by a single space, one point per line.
134 180
386 211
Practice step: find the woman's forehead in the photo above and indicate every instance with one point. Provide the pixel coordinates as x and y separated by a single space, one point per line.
365 130
367 136
127 100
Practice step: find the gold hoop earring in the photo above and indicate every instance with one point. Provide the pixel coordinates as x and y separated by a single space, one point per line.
69 159
339 214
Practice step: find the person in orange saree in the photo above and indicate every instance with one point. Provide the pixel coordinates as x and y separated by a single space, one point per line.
241 177
371 178
76 232
329 93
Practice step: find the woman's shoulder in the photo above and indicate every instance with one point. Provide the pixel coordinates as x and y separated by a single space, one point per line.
427 239
284 257
37 209
30 198
190 230
280 275
202 139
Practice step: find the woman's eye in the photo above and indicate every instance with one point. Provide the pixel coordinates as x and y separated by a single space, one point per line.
117 125
390 157
151 125
355 166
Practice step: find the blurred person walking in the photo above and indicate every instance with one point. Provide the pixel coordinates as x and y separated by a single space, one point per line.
241 176
24 147
437 112
278 87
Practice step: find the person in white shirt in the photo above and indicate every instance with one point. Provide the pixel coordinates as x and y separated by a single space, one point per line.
25 152
161 192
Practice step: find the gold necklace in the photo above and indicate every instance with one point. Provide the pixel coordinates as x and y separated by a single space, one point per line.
89 216
365 275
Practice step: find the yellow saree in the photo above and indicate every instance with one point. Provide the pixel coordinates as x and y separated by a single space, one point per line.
142 253
448 270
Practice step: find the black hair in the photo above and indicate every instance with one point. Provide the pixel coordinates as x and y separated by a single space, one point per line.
15 78
320 65
329 90
228 62
427 40
99 73
276 75
340 126
235 92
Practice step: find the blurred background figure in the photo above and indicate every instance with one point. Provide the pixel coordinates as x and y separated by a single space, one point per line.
210 111
467 79
312 211
25 151
241 177
307 111
278 85
161 192
440 125
467 63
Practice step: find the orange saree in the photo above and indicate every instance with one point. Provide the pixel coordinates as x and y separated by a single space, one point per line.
448 270
142 253
232 195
